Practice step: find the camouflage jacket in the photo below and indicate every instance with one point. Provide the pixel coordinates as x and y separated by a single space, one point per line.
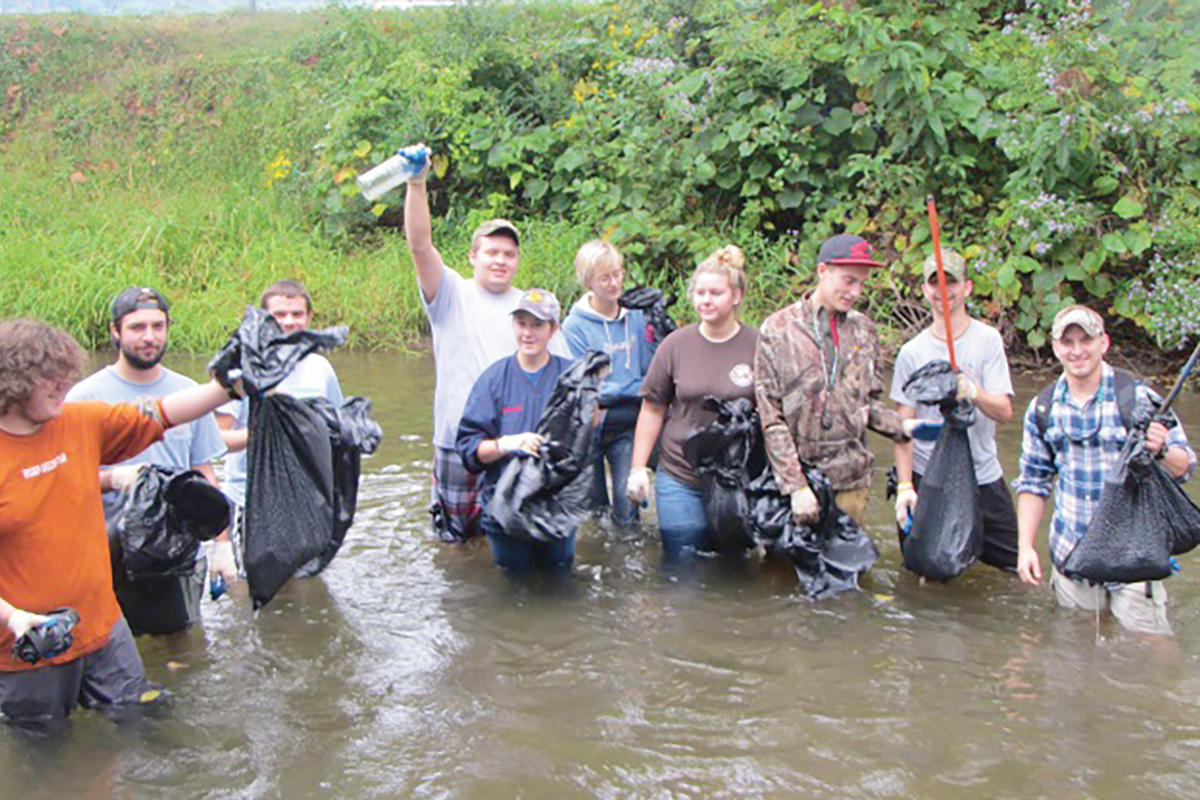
805 420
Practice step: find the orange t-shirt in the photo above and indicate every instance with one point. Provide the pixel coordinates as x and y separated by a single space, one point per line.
53 545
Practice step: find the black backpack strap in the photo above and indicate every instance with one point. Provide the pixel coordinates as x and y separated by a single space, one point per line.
1125 384
1041 409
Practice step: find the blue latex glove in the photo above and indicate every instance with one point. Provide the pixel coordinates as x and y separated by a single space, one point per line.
926 430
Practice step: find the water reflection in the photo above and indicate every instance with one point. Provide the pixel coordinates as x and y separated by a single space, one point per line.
415 670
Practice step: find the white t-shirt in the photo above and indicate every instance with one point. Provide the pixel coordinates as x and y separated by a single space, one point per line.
472 329
979 352
312 377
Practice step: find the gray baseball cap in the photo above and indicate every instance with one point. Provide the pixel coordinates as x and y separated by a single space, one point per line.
540 303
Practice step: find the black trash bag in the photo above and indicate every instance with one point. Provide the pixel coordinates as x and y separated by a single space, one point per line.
725 455
1143 517
545 497
160 522
352 433
261 355
947 527
828 557
654 305
289 492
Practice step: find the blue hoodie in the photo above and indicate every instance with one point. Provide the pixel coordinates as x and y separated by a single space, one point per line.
626 340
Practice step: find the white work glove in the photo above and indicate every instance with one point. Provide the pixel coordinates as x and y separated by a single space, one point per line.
527 443
221 562
805 508
906 503
966 389
926 430
20 622
124 477
637 488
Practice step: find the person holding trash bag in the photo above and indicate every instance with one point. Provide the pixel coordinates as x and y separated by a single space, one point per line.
140 331
597 321
712 358
983 381
1071 446
291 305
467 317
818 386
52 536
498 423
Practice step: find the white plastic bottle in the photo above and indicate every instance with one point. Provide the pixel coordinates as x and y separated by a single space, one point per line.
408 162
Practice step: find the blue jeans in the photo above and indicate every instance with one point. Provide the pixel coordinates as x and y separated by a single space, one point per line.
681 519
525 555
614 441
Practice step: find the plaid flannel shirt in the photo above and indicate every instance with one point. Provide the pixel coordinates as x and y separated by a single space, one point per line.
1079 447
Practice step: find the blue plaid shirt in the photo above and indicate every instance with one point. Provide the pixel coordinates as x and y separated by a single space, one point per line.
1079 447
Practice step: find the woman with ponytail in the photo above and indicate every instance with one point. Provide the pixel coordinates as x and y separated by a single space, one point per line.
713 357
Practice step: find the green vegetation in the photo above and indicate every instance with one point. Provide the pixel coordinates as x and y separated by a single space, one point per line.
209 156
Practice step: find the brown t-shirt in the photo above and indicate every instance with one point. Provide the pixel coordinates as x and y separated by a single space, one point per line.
53 547
686 369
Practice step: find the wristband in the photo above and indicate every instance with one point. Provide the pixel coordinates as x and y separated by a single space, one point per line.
900 487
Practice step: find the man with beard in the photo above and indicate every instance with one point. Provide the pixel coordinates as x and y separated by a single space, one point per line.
140 328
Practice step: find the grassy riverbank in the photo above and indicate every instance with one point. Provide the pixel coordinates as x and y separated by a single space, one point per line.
211 155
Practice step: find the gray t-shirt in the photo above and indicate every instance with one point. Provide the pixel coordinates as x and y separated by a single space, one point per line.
312 377
183 446
980 354
471 331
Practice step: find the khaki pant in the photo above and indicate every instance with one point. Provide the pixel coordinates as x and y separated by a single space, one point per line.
1140 607
854 503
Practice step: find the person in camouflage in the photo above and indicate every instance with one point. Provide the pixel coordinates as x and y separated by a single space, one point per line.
818 386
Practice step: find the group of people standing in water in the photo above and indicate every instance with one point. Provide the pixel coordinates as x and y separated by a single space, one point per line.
812 370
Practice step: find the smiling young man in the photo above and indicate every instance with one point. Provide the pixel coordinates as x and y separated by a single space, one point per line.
55 549
818 384
469 321
140 330
983 380
291 305
1073 435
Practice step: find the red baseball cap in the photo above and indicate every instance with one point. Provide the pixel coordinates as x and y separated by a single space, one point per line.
847 250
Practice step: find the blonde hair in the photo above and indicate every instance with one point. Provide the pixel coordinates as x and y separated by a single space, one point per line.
592 256
729 261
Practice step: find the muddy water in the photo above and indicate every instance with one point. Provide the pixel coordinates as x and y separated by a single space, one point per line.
413 670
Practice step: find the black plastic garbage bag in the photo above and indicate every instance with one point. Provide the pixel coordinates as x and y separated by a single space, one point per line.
160 522
261 355
352 433
289 492
545 497
1143 517
654 304
725 455
947 529
829 556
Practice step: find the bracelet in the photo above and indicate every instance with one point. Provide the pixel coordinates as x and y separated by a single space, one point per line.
900 487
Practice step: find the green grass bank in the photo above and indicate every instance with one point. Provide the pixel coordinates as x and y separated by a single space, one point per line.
209 156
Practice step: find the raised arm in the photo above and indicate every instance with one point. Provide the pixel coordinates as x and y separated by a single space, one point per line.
418 230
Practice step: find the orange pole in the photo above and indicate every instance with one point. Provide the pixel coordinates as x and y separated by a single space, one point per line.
941 272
